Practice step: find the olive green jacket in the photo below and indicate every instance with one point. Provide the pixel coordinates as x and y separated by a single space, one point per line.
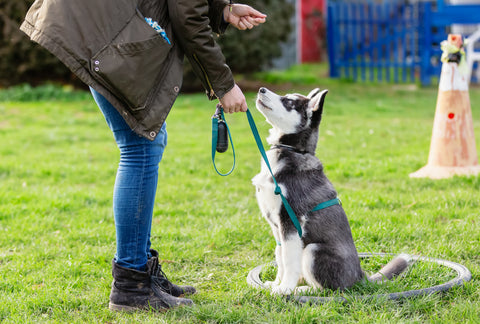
109 46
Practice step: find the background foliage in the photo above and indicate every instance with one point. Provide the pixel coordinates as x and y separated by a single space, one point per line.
252 50
22 61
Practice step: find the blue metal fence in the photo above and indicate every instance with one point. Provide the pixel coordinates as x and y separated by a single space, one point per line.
394 41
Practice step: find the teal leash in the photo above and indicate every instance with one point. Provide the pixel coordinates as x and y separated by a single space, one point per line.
278 190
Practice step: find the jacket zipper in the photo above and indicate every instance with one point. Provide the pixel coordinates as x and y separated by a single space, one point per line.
212 93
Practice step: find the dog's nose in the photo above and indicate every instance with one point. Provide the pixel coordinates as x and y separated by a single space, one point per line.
263 90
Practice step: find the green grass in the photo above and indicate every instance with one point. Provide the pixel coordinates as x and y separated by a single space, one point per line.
57 238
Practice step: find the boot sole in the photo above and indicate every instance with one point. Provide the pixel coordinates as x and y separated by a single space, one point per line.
130 309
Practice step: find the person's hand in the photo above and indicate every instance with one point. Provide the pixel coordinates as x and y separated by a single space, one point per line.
234 101
242 16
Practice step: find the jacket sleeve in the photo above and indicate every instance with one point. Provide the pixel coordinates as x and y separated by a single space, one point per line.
193 23
215 14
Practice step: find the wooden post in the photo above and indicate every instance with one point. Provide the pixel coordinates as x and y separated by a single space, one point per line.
452 148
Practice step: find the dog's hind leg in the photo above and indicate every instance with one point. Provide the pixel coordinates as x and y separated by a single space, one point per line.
291 255
308 266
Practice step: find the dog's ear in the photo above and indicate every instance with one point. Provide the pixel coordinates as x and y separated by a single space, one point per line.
313 93
316 105
316 101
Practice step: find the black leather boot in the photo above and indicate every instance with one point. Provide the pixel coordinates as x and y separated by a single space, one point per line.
161 281
134 290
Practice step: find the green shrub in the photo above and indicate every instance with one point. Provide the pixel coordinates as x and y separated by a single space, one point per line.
251 51
22 60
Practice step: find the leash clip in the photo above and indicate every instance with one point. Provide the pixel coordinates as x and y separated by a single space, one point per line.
218 112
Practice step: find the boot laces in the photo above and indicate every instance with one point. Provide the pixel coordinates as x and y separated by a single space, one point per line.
159 277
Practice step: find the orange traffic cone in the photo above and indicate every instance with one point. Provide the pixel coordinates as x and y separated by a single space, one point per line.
452 148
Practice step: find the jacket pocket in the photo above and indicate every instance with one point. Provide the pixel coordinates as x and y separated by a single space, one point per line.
129 66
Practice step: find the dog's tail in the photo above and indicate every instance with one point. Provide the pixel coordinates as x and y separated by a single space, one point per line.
392 269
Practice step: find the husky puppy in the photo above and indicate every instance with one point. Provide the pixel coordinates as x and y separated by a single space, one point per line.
325 256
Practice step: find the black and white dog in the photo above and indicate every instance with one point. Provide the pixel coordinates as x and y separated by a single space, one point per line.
325 256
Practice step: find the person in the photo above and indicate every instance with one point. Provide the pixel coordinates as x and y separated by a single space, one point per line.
130 54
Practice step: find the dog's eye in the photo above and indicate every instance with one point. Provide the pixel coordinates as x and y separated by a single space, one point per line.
289 104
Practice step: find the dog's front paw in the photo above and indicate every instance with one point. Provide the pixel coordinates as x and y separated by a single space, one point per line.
271 284
282 290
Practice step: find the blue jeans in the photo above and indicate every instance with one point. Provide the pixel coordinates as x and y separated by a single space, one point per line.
135 187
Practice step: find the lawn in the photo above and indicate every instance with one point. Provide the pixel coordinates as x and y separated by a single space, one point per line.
57 239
